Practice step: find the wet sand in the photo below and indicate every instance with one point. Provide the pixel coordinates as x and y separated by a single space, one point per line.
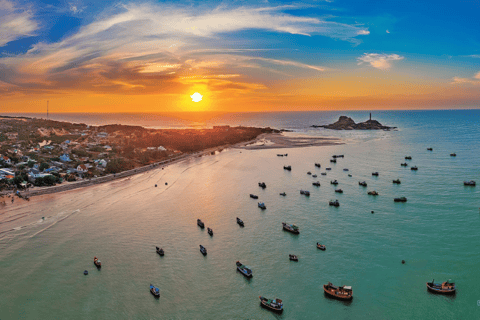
280 141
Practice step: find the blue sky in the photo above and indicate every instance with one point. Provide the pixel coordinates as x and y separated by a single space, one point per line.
412 52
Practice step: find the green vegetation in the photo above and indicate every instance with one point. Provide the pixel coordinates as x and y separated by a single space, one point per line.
119 165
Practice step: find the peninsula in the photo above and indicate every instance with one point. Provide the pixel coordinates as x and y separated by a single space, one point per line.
347 123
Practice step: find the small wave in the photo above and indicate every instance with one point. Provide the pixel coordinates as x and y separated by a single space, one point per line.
60 220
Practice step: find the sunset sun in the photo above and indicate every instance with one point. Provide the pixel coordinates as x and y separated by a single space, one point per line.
196 97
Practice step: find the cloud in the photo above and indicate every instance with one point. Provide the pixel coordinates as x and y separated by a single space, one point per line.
379 61
477 76
388 31
15 22
475 80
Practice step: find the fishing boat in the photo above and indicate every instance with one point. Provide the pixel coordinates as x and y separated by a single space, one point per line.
293 257
97 262
262 185
340 156
341 293
262 205
160 251
275 305
350 175
338 190
372 193
334 203
246 271
283 194
85 272
415 168
155 291
323 173
316 184
345 169
404 164
401 199
470 183
328 169
363 183
397 181
321 247
210 231
333 160
408 158
253 196
240 222
430 149
317 165
200 223
314 176
286 154
309 173
290 228
447 287
453 154
375 174
289 168
334 182
305 192
203 250
279 155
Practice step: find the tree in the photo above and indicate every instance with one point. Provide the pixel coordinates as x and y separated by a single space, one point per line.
44 166
30 164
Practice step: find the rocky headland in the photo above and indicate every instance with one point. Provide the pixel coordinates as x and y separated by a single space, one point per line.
347 123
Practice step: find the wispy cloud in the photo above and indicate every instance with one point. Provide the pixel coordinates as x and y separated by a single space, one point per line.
15 22
379 61
145 47
475 80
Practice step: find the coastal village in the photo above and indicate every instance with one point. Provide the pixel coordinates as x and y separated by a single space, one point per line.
36 153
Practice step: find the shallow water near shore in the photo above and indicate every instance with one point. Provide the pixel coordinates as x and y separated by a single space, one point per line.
435 232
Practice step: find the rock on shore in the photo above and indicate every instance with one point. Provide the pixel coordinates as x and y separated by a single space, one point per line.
346 123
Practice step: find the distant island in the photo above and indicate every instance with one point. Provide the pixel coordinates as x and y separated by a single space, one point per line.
347 123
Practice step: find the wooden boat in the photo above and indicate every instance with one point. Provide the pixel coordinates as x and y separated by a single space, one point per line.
200 223
408 158
97 262
293 257
341 293
305 192
155 291
447 287
314 176
430 149
350 175
345 169
316 184
404 164
402 199
372 193
397 181
414 168
262 205
363 183
328 169
279 155
291 228
283 194
334 203
240 222
309 173
85 272
203 250
262 185
275 305
289 168
323 173
253 196
334 182
246 271
470 183
338 190
375 174
333 160
317 165
210 231
286 154
160 251
453 154
321 246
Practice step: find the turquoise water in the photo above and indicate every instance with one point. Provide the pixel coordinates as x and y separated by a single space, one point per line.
435 232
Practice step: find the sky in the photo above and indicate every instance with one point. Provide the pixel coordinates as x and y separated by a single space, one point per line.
153 56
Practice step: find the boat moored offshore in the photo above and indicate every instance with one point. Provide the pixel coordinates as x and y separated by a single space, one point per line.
447 287
291 228
275 305
200 223
341 293
246 271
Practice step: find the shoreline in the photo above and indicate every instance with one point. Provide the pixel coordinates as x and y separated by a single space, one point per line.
278 139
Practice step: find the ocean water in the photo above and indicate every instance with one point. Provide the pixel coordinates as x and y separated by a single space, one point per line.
436 232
